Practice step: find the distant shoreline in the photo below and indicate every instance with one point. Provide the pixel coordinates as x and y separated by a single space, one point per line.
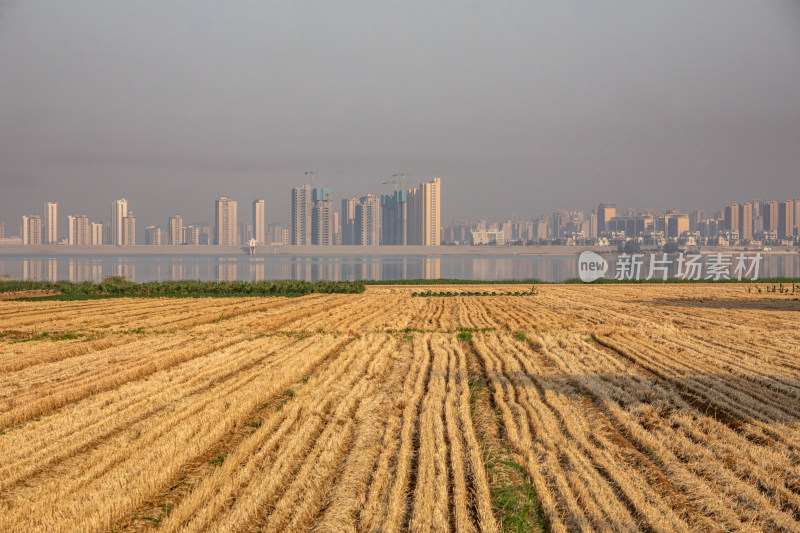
61 250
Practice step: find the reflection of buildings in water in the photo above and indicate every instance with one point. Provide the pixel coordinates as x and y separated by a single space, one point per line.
301 270
176 272
396 269
32 270
191 272
281 271
368 269
226 271
255 270
489 268
553 269
81 270
127 271
52 270
431 268
778 266
155 273
326 270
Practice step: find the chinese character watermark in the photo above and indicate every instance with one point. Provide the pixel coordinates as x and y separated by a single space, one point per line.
631 267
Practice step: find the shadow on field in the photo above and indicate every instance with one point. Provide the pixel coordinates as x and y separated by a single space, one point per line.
728 398
776 304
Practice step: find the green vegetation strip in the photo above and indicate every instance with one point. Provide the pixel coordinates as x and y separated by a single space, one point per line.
514 499
669 281
446 294
118 287
452 281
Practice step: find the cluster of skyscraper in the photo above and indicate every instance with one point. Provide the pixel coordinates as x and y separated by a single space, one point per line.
758 221
406 217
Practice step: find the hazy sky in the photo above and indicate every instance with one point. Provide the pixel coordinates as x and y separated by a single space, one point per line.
520 107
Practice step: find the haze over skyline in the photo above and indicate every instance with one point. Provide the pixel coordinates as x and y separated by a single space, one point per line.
519 107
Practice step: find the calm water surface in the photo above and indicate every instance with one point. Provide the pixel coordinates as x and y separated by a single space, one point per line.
143 268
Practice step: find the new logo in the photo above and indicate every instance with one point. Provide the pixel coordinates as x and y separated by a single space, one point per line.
591 267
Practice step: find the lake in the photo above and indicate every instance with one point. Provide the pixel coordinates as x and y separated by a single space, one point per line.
143 268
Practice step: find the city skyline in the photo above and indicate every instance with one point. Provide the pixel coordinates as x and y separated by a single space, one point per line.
521 106
413 217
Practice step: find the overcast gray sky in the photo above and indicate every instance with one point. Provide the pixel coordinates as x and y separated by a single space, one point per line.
520 107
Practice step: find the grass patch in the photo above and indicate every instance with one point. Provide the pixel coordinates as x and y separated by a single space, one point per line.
219 459
166 509
452 281
116 287
514 500
515 504
464 336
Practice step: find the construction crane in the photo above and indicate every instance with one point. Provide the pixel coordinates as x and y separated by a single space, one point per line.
394 182
311 173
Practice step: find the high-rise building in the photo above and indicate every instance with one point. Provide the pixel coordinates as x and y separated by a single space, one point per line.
152 235
709 227
79 231
348 220
431 212
50 229
321 223
637 225
128 230
797 217
758 227
746 222
694 219
368 225
97 233
302 205
540 228
259 217
732 217
336 228
605 212
394 218
786 220
175 230
119 210
225 218
2 230
191 235
322 217
677 225
424 214
31 230
71 230
274 233
769 212
756 203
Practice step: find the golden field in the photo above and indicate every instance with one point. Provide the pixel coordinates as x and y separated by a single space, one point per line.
579 408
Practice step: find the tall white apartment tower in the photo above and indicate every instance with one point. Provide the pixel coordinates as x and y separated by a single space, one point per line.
119 211
424 213
301 215
97 233
259 231
50 229
176 230
431 212
225 222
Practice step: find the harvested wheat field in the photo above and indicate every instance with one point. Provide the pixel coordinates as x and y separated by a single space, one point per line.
577 408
